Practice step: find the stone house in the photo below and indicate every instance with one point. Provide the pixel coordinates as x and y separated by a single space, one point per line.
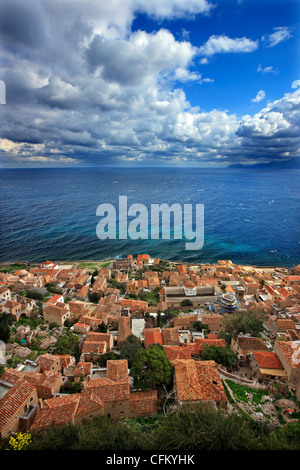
289 355
18 405
266 366
198 382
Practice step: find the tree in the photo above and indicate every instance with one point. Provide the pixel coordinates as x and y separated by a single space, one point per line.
242 322
186 303
67 344
199 326
94 297
107 357
102 328
129 348
6 320
151 367
220 354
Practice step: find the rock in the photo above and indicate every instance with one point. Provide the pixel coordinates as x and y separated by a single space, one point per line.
48 342
22 331
21 351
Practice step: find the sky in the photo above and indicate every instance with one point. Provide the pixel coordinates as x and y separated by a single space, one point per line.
204 83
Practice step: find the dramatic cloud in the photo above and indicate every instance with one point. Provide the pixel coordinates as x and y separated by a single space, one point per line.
83 89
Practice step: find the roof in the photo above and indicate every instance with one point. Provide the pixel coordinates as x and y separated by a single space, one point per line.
117 370
46 360
177 352
201 342
14 399
153 337
143 257
285 324
55 298
198 381
124 328
56 411
251 343
267 360
170 335
290 351
181 268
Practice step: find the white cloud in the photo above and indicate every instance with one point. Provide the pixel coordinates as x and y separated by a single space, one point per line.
296 83
269 69
259 97
173 8
224 44
281 33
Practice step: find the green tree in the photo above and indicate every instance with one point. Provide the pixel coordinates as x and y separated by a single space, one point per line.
6 320
151 367
199 326
220 354
129 348
102 328
186 303
199 428
107 357
94 297
68 343
242 322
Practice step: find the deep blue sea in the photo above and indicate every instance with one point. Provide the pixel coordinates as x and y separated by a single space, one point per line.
251 217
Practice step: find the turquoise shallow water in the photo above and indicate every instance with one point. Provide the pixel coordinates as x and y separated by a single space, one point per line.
250 216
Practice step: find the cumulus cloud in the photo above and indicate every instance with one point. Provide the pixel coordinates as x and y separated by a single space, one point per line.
296 83
223 44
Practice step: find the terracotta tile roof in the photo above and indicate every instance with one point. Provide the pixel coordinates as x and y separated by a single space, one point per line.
143 257
117 370
198 381
186 320
192 347
177 352
251 343
57 411
289 350
100 337
283 324
124 328
47 361
170 335
94 347
153 337
83 369
182 269
267 360
201 342
115 386
56 310
89 402
14 399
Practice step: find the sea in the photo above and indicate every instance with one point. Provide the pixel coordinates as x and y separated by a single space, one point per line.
251 217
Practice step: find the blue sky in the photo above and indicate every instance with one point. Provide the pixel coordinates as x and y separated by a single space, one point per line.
132 82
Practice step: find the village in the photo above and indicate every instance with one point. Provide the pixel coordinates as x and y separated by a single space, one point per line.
77 339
